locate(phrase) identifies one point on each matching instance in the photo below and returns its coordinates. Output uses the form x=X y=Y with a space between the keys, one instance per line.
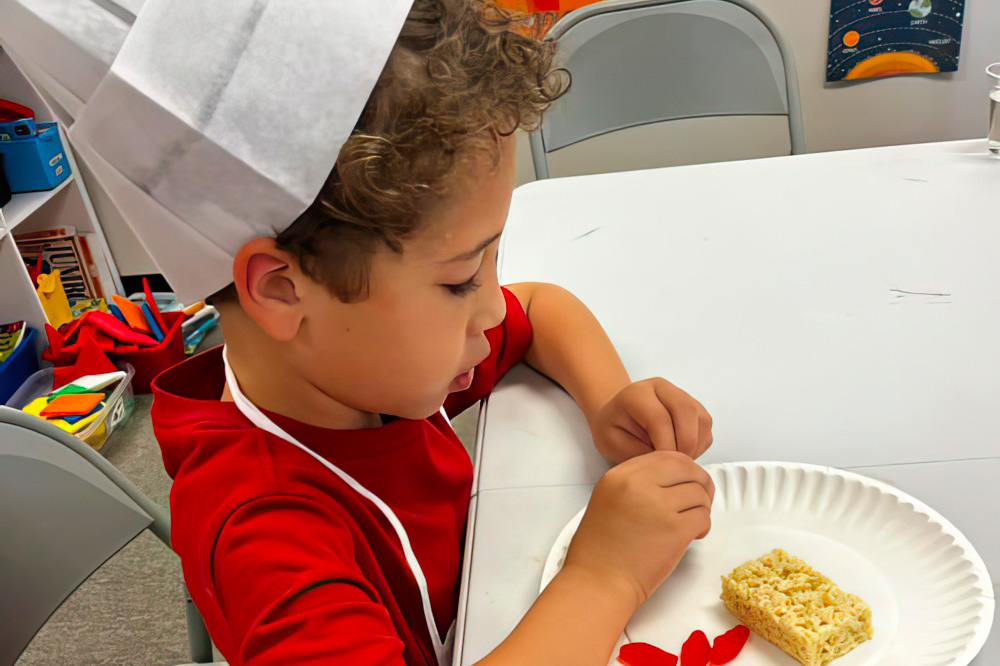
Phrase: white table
x=840 y=309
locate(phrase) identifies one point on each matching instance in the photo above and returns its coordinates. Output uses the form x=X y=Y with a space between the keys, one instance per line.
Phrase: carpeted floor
x=131 y=611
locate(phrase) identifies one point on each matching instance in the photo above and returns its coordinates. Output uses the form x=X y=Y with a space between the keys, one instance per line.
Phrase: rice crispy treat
x=787 y=602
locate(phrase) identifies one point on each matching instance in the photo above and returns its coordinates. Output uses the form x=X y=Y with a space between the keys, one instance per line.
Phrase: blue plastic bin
x=37 y=162
x=18 y=367
x=15 y=130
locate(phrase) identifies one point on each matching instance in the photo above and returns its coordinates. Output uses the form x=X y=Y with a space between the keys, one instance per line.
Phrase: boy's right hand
x=641 y=518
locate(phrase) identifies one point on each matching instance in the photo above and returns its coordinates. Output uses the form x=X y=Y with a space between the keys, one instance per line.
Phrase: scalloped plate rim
x=557 y=553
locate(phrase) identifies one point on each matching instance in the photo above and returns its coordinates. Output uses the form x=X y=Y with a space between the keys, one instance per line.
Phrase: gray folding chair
x=64 y=510
x=636 y=62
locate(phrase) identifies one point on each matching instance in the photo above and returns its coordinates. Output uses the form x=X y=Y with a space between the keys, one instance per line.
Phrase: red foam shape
x=113 y=327
x=696 y=650
x=644 y=654
x=103 y=340
x=74 y=326
x=85 y=333
x=152 y=306
x=56 y=341
x=90 y=361
x=727 y=646
x=35 y=271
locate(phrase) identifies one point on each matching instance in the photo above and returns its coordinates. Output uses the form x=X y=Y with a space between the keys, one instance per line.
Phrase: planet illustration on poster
x=920 y=8
x=879 y=38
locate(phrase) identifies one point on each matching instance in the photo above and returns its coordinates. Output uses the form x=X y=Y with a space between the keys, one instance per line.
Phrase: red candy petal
x=696 y=650
x=644 y=654
x=728 y=645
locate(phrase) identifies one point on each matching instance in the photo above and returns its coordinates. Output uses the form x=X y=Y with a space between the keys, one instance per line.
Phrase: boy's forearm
x=576 y=621
x=569 y=346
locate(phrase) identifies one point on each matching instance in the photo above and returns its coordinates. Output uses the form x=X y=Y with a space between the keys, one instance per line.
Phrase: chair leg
x=538 y=156
x=199 y=642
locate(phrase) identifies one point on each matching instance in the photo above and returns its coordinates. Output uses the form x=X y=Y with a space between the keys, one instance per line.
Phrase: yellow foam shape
x=787 y=602
x=36 y=406
x=53 y=299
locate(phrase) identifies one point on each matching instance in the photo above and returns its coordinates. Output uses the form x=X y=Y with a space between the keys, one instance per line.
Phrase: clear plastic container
x=117 y=407
x=994 y=132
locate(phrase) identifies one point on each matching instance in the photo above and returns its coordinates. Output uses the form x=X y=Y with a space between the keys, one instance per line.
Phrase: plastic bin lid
x=11 y=111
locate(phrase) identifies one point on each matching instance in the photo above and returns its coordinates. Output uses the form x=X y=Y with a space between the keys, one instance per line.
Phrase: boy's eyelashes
x=470 y=285
x=463 y=288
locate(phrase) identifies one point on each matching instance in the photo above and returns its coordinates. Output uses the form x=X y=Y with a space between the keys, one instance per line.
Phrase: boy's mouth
x=462 y=381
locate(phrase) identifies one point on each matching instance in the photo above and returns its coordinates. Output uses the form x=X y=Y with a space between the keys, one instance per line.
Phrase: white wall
x=909 y=109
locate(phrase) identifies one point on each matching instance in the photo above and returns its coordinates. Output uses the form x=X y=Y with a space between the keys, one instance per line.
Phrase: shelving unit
x=22 y=206
x=66 y=205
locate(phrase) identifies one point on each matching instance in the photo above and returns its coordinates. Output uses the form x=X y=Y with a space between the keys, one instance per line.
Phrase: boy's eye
x=464 y=288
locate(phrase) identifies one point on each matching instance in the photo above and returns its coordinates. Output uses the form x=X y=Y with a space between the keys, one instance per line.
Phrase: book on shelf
x=11 y=335
x=64 y=249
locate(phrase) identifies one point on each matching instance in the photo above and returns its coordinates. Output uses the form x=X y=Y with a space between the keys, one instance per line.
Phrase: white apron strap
x=442 y=650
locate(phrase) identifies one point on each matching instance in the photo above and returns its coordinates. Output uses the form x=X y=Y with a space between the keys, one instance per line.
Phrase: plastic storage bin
x=147 y=361
x=16 y=121
x=18 y=367
x=36 y=162
x=117 y=407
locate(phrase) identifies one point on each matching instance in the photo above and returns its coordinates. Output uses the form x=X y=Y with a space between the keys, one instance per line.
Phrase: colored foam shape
x=151 y=320
x=153 y=307
x=95 y=382
x=104 y=341
x=192 y=309
x=73 y=428
x=118 y=331
x=76 y=404
x=56 y=341
x=90 y=361
x=117 y=313
x=133 y=314
x=73 y=420
x=35 y=407
x=74 y=327
x=35 y=271
x=100 y=338
x=69 y=389
x=53 y=299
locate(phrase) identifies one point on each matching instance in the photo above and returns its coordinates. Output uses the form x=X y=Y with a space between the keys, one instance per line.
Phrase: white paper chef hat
x=219 y=122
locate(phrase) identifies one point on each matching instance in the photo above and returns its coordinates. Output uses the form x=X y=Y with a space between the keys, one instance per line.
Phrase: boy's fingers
x=687 y=496
x=698 y=521
x=624 y=444
x=653 y=417
x=704 y=439
x=671 y=468
x=683 y=414
x=704 y=430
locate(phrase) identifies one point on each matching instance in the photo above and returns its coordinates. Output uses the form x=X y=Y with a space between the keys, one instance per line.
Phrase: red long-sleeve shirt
x=286 y=563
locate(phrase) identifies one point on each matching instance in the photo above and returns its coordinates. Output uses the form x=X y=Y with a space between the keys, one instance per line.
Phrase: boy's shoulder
x=207 y=442
x=220 y=462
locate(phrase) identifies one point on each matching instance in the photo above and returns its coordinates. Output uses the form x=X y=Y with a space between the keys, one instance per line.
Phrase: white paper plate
x=929 y=591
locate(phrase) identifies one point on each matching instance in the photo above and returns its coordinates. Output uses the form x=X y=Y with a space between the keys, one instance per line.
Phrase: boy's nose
x=493 y=308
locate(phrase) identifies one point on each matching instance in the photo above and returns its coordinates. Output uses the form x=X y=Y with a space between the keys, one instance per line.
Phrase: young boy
x=320 y=496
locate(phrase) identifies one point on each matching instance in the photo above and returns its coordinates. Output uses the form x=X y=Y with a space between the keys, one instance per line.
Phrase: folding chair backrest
x=635 y=62
x=60 y=519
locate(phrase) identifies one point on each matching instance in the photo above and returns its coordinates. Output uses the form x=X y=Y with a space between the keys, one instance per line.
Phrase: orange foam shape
x=75 y=404
x=133 y=314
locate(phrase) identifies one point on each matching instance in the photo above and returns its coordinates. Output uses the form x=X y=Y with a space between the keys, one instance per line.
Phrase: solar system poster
x=876 y=38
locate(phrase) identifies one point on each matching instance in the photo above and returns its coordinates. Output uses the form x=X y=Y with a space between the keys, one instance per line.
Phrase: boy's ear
x=266 y=280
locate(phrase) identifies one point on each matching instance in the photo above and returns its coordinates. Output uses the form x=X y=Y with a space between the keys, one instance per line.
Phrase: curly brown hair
x=462 y=75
